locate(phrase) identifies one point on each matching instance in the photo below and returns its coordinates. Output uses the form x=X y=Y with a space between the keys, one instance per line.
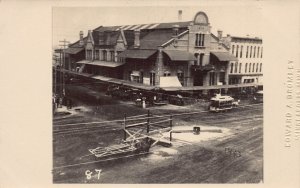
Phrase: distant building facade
x=249 y=51
x=179 y=54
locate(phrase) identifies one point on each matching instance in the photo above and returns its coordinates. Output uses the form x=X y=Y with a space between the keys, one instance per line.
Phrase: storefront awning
x=83 y=61
x=224 y=56
x=73 y=50
x=102 y=63
x=176 y=55
x=106 y=64
x=169 y=81
x=137 y=54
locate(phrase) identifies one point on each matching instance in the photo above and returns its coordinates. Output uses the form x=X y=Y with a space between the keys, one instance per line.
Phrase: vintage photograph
x=157 y=95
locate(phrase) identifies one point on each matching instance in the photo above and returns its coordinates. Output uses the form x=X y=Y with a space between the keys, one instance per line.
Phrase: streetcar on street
x=222 y=103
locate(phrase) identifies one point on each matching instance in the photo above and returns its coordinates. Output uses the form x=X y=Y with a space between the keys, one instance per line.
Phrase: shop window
x=246 y=67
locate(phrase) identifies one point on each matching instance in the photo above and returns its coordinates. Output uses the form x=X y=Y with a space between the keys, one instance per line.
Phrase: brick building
x=178 y=54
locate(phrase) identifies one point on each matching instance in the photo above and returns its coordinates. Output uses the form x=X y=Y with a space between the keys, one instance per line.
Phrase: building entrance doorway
x=198 y=78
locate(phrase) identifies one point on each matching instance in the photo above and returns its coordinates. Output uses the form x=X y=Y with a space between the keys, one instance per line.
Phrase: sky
x=237 y=20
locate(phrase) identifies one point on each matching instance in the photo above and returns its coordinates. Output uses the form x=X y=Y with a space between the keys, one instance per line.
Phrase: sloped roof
x=177 y=55
x=137 y=54
x=224 y=56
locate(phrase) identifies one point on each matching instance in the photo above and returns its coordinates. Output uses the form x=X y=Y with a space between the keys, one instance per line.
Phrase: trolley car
x=222 y=103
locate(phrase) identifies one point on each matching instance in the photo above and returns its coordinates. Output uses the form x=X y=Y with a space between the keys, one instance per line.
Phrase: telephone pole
x=64 y=45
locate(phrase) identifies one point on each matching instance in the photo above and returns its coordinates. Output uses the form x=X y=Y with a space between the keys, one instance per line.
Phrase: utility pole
x=63 y=65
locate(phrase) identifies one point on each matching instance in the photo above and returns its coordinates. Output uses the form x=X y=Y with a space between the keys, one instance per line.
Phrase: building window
x=231 y=68
x=260 y=68
x=232 y=49
x=256 y=67
x=180 y=76
x=237 y=51
x=112 y=56
x=249 y=67
x=89 y=54
x=167 y=73
x=199 y=40
x=246 y=67
x=152 y=78
x=254 y=51
x=247 y=51
x=240 y=68
x=241 y=54
x=261 y=53
x=253 y=67
x=104 y=55
x=258 y=51
x=250 y=51
x=97 y=54
x=236 y=67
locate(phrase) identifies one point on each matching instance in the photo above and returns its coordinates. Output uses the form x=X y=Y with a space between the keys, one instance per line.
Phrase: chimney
x=81 y=43
x=179 y=15
x=137 y=38
x=220 y=34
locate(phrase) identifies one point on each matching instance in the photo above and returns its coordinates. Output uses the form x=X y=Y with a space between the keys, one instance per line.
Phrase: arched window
x=246 y=67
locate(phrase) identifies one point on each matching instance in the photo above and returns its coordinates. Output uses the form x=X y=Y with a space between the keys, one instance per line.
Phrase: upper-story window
x=232 y=49
x=97 y=54
x=253 y=67
x=260 y=68
x=247 y=51
x=250 y=51
x=261 y=53
x=254 y=51
x=256 y=67
x=241 y=53
x=236 y=67
x=237 y=51
x=199 y=39
x=112 y=56
x=89 y=55
x=104 y=55
x=258 y=51
x=231 y=67
x=246 y=67
x=240 y=68
x=249 y=67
